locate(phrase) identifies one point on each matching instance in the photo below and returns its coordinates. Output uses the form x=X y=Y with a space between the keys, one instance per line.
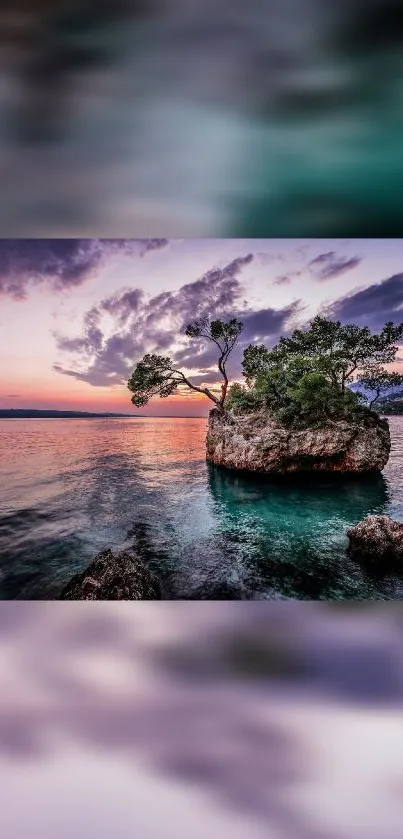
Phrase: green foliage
x=256 y=360
x=341 y=350
x=156 y=375
x=216 y=330
x=314 y=401
x=303 y=381
x=152 y=376
x=336 y=350
x=240 y=400
x=299 y=394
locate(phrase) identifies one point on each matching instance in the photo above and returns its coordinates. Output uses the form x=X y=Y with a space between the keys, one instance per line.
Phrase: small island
x=296 y=411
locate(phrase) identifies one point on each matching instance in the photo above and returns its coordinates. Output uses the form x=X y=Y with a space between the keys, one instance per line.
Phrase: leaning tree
x=157 y=375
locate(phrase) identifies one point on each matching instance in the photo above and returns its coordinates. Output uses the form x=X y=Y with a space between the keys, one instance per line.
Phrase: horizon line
x=111 y=414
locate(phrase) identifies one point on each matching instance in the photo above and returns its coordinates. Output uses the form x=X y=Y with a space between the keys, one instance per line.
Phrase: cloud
x=148 y=245
x=264 y=326
x=284 y=279
x=372 y=306
x=61 y=263
x=138 y=325
x=326 y=266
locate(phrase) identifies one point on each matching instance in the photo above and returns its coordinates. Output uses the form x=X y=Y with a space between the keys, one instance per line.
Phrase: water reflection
x=292 y=533
x=309 y=499
x=206 y=533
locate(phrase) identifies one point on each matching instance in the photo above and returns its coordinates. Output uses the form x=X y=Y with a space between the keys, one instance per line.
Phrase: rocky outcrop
x=111 y=576
x=377 y=541
x=257 y=443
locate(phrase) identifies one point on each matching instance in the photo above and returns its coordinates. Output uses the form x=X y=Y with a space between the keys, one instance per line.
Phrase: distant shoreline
x=27 y=413
x=21 y=413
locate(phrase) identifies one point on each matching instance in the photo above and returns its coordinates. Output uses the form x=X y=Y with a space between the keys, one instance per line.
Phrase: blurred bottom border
x=222 y=719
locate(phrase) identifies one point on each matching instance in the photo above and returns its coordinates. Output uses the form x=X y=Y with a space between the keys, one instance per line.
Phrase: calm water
x=69 y=488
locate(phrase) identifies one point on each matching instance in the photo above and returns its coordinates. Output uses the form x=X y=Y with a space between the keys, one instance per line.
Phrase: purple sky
x=76 y=315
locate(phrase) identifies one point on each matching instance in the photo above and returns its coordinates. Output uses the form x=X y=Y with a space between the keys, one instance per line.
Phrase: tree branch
x=192 y=386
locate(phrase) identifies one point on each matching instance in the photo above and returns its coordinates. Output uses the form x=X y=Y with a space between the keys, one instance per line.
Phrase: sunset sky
x=76 y=315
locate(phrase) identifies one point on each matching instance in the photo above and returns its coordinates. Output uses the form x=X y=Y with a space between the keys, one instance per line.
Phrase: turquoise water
x=72 y=487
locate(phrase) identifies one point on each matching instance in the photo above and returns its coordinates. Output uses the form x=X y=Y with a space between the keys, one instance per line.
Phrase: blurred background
x=191 y=117
x=201 y=719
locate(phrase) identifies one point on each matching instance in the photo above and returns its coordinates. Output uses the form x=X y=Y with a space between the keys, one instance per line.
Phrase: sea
x=70 y=488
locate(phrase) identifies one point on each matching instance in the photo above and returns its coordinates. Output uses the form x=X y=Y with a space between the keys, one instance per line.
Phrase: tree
x=241 y=400
x=337 y=350
x=224 y=335
x=304 y=379
x=256 y=360
x=380 y=382
x=157 y=375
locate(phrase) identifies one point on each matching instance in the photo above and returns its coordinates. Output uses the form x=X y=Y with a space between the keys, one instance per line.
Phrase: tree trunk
x=224 y=388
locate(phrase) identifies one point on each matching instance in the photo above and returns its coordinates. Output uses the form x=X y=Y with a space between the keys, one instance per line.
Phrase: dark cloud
x=323 y=267
x=372 y=306
x=264 y=326
x=120 y=305
x=151 y=325
x=97 y=378
x=283 y=279
x=148 y=245
x=60 y=263
x=326 y=266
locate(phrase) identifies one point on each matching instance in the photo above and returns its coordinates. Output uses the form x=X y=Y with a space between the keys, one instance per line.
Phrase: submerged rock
x=113 y=577
x=378 y=541
x=257 y=443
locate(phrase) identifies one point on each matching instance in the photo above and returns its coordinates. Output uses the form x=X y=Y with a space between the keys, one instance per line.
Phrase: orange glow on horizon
x=83 y=397
x=74 y=395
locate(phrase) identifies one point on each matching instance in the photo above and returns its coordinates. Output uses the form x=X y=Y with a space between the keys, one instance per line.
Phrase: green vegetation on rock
x=304 y=380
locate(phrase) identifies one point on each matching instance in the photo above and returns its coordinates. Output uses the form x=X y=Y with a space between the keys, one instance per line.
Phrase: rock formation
x=377 y=541
x=111 y=576
x=257 y=443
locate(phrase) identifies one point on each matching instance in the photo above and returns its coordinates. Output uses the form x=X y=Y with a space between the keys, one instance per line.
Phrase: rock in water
x=113 y=577
x=378 y=541
x=257 y=443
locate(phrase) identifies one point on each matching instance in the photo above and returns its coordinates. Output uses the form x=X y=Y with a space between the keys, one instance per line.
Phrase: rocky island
x=307 y=405
x=257 y=443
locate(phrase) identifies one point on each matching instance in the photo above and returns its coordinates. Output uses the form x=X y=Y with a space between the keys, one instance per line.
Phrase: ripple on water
x=75 y=487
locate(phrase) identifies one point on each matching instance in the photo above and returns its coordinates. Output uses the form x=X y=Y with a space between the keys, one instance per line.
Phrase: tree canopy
x=338 y=350
x=302 y=381
x=158 y=375
x=305 y=378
